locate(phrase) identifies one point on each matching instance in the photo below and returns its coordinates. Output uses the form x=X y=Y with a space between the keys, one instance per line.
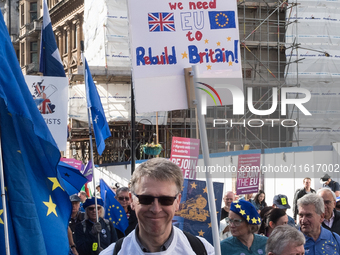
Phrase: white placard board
x=51 y=97
x=166 y=37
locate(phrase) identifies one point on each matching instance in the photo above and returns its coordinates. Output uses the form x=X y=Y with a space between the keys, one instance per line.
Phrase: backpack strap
x=118 y=246
x=196 y=244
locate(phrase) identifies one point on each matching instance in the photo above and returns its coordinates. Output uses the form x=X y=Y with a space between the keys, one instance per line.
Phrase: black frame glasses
x=123 y=198
x=92 y=208
x=163 y=200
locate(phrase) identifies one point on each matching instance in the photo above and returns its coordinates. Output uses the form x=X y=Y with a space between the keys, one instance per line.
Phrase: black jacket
x=336 y=223
x=84 y=240
x=298 y=194
x=132 y=224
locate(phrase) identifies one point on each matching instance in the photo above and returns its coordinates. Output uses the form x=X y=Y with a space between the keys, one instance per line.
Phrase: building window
x=34 y=52
x=66 y=42
x=22 y=15
x=33 y=11
x=75 y=37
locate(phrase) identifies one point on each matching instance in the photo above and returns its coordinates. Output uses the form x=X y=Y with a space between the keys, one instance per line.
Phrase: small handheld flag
x=113 y=210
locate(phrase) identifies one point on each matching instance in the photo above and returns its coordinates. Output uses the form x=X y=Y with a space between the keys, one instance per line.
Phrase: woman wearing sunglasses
x=122 y=196
x=244 y=222
x=87 y=232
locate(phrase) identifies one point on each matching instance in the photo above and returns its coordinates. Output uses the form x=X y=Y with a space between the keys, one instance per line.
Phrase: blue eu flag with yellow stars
x=37 y=206
x=193 y=215
x=113 y=210
x=222 y=19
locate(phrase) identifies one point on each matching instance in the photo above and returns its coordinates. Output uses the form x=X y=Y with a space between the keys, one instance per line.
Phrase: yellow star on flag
x=51 y=207
x=218 y=43
x=259 y=219
x=230 y=63
x=19 y=151
x=1 y=211
x=254 y=220
x=206 y=41
x=205 y=190
x=242 y=212
x=184 y=55
x=248 y=218
x=193 y=185
x=201 y=233
x=229 y=38
x=238 y=206
x=208 y=67
x=209 y=225
x=55 y=183
x=117 y=207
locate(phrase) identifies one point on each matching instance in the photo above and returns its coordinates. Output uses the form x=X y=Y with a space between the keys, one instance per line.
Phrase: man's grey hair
x=101 y=214
x=159 y=169
x=281 y=237
x=313 y=199
x=326 y=190
x=122 y=189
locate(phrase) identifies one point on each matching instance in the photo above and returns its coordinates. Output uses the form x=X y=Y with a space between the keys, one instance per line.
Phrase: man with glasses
x=332 y=216
x=318 y=239
x=156 y=187
x=122 y=196
x=91 y=237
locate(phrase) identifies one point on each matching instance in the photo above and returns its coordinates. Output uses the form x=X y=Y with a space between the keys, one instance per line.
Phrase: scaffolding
x=262 y=26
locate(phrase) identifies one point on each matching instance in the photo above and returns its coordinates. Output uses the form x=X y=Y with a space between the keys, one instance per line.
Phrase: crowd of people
x=247 y=226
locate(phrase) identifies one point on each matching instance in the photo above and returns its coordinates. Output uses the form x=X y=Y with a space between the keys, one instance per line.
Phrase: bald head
x=228 y=198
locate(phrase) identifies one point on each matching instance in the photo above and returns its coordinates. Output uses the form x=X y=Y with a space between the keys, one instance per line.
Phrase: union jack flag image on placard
x=41 y=96
x=161 y=22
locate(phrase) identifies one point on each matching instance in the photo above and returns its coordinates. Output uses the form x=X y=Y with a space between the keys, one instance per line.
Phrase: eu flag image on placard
x=222 y=19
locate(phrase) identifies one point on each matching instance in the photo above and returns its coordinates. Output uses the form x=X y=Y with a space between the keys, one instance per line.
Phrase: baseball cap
x=281 y=201
x=324 y=178
x=75 y=198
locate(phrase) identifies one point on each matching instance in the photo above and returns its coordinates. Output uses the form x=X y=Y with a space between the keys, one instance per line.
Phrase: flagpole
x=206 y=158
x=3 y=199
x=90 y=136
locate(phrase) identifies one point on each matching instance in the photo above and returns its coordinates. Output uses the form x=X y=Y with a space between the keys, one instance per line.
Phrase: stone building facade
x=67 y=19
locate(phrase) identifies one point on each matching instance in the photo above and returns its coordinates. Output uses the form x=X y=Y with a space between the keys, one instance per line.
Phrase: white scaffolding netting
x=313 y=38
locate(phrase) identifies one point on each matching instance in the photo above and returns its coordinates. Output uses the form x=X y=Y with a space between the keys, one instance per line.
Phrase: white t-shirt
x=179 y=245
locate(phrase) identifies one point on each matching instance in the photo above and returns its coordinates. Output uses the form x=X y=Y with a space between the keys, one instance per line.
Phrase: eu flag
x=222 y=19
x=113 y=210
x=72 y=178
x=100 y=126
x=38 y=208
x=50 y=61
x=193 y=215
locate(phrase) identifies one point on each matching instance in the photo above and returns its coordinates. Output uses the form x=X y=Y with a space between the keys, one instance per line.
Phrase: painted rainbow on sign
x=209 y=93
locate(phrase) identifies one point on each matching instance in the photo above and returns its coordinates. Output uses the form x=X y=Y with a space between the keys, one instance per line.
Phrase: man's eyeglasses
x=148 y=200
x=124 y=198
x=328 y=202
x=235 y=222
x=92 y=208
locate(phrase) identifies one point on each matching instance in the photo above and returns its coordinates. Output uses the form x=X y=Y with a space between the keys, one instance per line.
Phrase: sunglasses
x=124 y=198
x=92 y=208
x=163 y=200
